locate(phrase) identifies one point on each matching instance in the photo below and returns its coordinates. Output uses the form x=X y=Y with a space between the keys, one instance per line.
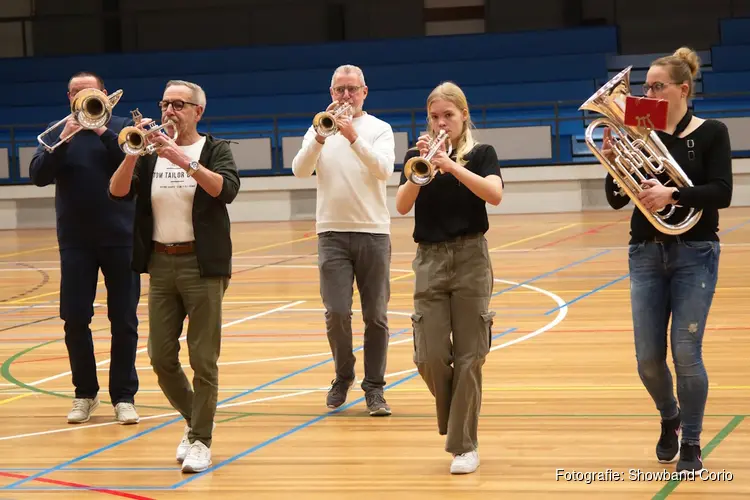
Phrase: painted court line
x=14 y=485
x=412 y=373
x=144 y=349
x=562 y=312
x=119 y=442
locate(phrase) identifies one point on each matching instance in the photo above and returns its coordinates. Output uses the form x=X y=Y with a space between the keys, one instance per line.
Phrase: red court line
x=121 y=494
x=590 y=231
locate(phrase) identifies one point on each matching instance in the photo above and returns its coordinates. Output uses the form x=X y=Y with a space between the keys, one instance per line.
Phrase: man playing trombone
x=183 y=241
x=353 y=154
x=93 y=233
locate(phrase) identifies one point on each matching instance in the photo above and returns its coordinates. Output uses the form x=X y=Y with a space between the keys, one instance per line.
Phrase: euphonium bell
x=419 y=169
x=134 y=141
x=324 y=122
x=91 y=108
x=638 y=154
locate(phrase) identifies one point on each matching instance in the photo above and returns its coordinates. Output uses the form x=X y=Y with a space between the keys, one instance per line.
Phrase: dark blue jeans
x=676 y=279
x=79 y=269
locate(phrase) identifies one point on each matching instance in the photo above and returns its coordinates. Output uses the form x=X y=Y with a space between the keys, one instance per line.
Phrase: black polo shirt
x=446 y=209
x=705 y=155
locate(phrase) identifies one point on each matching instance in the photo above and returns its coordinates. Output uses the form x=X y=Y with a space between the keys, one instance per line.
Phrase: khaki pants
x=454 y=284
x=176 y=290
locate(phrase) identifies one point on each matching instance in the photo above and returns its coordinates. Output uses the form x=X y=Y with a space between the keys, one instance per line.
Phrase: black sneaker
x=668 y=447
x=376 y=404
x=690 y=459
x=338 y=392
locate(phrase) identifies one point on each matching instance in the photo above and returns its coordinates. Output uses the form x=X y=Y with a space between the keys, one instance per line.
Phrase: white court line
x=287 y=358
x=144 y=349
x=561 y=313
x=143 y=303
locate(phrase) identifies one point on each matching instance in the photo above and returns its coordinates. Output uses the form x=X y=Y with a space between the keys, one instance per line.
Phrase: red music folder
x=646 y=112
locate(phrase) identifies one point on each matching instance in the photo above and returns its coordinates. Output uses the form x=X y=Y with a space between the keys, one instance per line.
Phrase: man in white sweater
x=353 y=226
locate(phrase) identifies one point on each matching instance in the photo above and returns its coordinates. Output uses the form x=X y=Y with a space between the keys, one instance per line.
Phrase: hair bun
x=691 y=59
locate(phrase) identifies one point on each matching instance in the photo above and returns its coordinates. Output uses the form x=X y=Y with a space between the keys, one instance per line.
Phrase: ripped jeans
x=677 y=279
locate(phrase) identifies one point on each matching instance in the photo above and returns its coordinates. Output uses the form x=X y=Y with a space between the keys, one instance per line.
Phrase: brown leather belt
x=175 y=248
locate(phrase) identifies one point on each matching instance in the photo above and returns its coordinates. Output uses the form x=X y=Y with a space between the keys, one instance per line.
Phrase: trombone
x=419 y=169
x=324 y=122
x=133 y=141
x=91 y=108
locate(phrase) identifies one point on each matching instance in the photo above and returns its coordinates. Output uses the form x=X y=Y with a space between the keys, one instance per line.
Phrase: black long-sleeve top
x=80 y=170
x=705 y=156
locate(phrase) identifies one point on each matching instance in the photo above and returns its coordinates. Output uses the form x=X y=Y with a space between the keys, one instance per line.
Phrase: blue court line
x=620 y=278
x=58 y=467
x=300 y=427
x=591 y=292
x=114 y=444
x=549 y=273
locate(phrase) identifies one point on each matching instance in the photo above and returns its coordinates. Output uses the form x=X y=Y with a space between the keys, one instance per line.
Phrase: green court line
x=711 y=446
x=7 y=375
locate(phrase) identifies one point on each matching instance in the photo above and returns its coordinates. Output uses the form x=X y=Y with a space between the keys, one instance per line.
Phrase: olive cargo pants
x=454 y=282
x=176 y=290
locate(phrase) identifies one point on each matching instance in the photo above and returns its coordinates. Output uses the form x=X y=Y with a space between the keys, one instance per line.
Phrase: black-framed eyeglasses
x=177 y=104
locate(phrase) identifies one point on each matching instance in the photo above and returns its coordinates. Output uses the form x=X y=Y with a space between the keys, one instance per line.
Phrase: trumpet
x=419 y=169
x=133 y=141
x=91 y=108
x=636 y=149
x=324 y=122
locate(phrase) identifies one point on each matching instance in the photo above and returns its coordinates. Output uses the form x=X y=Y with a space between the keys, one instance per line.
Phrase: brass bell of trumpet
x=419 y=169
x=91 y=108
x=638 y=154
x=134 y=141
x=324 y=122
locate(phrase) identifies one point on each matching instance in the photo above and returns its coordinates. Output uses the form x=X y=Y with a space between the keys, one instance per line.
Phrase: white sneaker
x=466 y=463
x=125 y=414
x=198 y=458
x=184 y=446
x=82 y=410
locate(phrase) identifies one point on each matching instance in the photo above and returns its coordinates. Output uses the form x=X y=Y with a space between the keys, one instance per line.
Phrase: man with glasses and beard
x=182 y=240
x=353 y=227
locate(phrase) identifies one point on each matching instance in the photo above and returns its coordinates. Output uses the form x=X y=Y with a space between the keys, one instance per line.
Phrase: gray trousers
x=176 y=290
x=366 y=257
x=454 y=284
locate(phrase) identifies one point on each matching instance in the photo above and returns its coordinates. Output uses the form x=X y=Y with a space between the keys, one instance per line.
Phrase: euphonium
x=133 y=141
x=91 y=108
x=638 y=154
x=325 y=121
x=419 y=169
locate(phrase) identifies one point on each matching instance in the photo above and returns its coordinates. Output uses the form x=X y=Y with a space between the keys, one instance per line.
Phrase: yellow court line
x=15 y=398
x=274 y=245
x=2 y=256
x=57 y=292
x=524 y=240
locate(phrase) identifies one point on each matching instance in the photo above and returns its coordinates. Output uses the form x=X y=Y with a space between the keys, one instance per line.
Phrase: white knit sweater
x=351 y=177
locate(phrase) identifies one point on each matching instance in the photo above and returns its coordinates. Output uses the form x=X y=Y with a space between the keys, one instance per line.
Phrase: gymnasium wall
x=104 y=26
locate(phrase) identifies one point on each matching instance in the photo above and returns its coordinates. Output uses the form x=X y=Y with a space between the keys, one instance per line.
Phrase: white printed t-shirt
x=172 y=193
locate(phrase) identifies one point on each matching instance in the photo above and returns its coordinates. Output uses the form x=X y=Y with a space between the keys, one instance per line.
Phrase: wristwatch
x=192 y=168
x=676 y=195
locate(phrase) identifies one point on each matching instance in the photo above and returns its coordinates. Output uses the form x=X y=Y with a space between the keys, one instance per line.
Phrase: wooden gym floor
x=561 y=388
